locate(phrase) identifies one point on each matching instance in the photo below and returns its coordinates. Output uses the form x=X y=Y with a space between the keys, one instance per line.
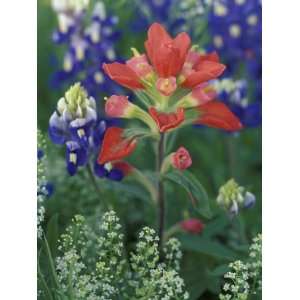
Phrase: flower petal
x=182 y=41
x=216 y=114
x=123 y=75
x=114 y=146
x=207 y=70
x=157 y=35
x=167 y=121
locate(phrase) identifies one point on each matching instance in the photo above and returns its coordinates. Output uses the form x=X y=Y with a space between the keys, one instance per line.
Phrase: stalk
x=94 y=183
x=160 y=200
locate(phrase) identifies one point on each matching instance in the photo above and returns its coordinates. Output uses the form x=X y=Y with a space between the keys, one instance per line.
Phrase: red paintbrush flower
x=181 y=159
x=216 y=114
x=167 y=121
x=206 y=68
x=115 y=146
x=123 y=75
x=194 y=226
x=167 y=55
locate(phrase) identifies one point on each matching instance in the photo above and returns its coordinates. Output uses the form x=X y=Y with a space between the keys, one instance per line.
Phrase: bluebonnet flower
x=88 y=46
x=162 y=11
x=235 y=94
x=236 y=27
x=76 y=125
x=232 y=197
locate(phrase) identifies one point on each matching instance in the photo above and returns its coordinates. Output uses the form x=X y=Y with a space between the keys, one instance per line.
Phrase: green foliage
x=195 y=191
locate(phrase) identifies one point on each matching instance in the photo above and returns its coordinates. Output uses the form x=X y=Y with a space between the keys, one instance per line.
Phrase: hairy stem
x=160 y=200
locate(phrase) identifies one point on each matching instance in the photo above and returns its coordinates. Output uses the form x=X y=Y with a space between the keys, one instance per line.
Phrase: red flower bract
x=181 y=159
x=194 y=226
x=167 y=121
x=124 y=166
x=115 y=146
x=207 y=68
x=167 y=55
x=116 y=106
x=123 y=75
x=216 y=114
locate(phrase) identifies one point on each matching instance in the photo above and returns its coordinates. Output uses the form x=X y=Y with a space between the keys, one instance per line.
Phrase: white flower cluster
x=41 y=183
x=173 y=254
x=110 y=276
x=154 y=280
x=244 y=279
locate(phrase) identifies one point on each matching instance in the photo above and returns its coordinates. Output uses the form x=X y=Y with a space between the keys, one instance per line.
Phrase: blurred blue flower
x=235 y=95
x=76 y=125
x=236 y=27
x=87 y=47
x=173 y=14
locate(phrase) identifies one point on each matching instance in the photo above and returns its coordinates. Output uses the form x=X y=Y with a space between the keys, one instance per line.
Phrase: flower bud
x=249 y=200
x=194 y=226
x=181 y=159
x=166 y=86
x=118 y=107
x=76 y=104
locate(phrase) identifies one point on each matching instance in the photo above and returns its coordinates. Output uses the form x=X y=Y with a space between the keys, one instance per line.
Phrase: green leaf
x=215 y=226
x=194 y=189
x=219 y=271
x=208 y=247
x=52 y=234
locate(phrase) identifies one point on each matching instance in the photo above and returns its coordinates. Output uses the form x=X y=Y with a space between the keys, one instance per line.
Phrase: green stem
x=44 y=283
x=52 y=267
x=231 y=155
x=94 y=183
x=160 y=200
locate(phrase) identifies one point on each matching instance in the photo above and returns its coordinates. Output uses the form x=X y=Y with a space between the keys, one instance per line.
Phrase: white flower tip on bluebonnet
x=220 y=9
x=234 y=209
x=65 y=22
x=61 y=105
x=94 y=32
x=250 y=200
x=252 y=20
x=240 y=2
x=235 y=30
x=79 y=45
x=57 y=121
x=99 y=10
x=77 y=104
x=69 y=6
x=68 y=62
x=111 y=55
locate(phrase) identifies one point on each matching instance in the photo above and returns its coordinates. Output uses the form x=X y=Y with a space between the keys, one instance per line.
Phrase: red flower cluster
x=174 y=65
x=193 y=226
